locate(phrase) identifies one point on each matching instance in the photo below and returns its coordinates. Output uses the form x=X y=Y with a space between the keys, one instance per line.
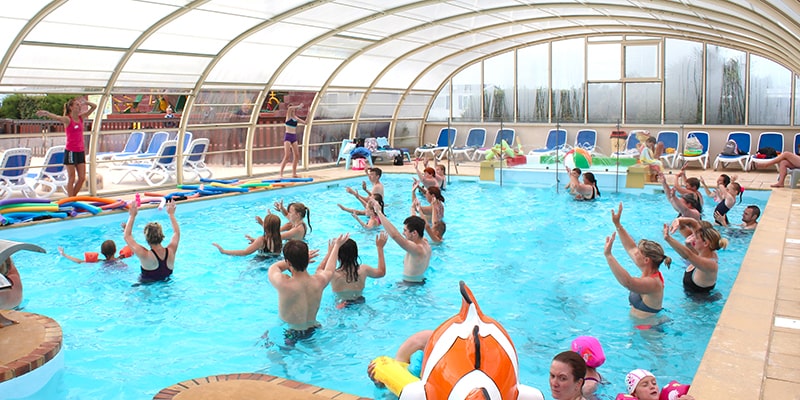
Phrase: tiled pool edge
x=734 y=365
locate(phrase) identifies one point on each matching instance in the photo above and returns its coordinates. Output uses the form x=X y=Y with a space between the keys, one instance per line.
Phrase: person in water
x=587 y=190
x=701 y=274
x=350 y=277
x=299 y=293
x=567 y=374
x=108 y=249
x=412 y=240
x=269 y=244
x=158 y=262
x=646 y=291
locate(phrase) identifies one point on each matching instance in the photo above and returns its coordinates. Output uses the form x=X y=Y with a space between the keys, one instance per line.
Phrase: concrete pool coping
x=753 y=352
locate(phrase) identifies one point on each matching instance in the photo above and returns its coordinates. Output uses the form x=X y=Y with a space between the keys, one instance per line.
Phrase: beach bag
x=398 y=159
x=731 y=148
x=359 y=163
x=371 y=144
x=693 y=146
x=767 y=152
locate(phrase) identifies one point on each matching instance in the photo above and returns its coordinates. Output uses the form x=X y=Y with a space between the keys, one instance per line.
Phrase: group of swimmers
x=300 y=292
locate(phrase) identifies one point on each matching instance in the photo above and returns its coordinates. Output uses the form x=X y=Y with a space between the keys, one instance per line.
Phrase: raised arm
x=708 y=191
x=91 y=109
x=69 y=257
x=328 y=265
x=176 y=229
x=138 y=249
x=256 y=244
x=275 y=273
x=281 y=209
x=380 y=272
x=627 y=240
x=635 y=284
x=360 y=198
x=47 y=114
x=670 y=193
x=703 y=263
x=390 y=229
x=363 y=225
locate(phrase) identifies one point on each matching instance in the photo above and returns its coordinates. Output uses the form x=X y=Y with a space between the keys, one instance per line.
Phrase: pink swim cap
x=589 y=348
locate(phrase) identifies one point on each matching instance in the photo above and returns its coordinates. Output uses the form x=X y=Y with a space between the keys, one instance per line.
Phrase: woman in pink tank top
x=75 y=153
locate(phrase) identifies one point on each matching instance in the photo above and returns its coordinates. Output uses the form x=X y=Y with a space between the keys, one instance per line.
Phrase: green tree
x=23 y=106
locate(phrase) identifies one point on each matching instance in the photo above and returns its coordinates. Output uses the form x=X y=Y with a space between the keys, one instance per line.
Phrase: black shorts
x=74 y=157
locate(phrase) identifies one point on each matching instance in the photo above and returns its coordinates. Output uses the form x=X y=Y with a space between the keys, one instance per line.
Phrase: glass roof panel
x=87 y=22
x=306 y=73
x=402 y=74
x=53 y=61
x=9 y=28
x=183 y=35
x=49 y=78
x=433 y=33
x=434 y=53
x=330 y=15
x=291 y=35
x=378 y=27
x=237 y=65
x=434 y=11
x=477 y=22
x=164 y=69
x=337 y=47
x=394 y=48
x=433 y=78
x=361 y=71
x=261 y=9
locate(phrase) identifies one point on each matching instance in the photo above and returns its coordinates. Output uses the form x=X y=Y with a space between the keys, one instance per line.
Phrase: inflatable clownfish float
x=469 y=356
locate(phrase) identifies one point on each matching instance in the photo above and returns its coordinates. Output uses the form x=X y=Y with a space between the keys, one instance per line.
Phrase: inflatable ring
x=392 y=373
x=469 y=353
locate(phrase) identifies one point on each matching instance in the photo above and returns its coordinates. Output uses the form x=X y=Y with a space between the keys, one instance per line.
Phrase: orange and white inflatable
x=469 y=356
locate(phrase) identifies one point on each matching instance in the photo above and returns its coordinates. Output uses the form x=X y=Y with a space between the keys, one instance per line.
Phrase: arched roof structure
x=100 y=46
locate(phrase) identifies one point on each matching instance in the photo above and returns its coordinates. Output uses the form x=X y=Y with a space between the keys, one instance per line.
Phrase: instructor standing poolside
x=75 y=151
x=290 y=146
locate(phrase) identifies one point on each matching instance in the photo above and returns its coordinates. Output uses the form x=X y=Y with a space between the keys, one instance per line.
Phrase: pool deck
x=753 y=352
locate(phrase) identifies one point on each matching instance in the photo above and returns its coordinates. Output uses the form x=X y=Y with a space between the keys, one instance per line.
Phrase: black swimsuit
x=690 y=286
x=722 y=209
x=159 y=274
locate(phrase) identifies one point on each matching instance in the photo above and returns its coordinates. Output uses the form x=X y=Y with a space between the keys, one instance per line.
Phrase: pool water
x=532 y=257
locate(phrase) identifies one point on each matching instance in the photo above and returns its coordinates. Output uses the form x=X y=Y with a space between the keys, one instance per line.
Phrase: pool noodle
x=289 y=180
x=38 y=207
x=18 y=205
x=7 y=202
x=209 y=180
x=83 y=206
